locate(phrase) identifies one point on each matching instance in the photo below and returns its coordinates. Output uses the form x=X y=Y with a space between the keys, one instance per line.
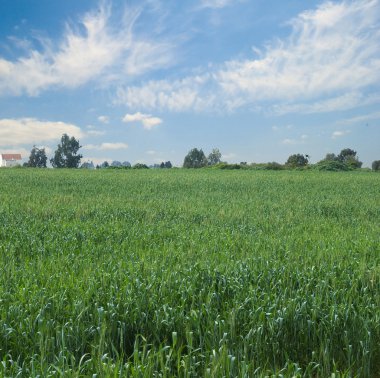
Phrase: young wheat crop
x=189 y=273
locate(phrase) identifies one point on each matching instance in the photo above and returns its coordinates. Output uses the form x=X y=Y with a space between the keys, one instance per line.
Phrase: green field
x=189 y=273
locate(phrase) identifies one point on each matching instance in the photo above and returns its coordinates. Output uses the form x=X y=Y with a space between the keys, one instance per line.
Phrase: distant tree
x=332 y=165
x=140 y=166
x=297 y=160
x=274 y=166
x=88 y=165
x=105 y=164
x=116 y=163
x=126 y=164
x=376 y=165
x=195 y=159
x=348 y=156
x=166 y=164
x=37 y=158
x=214 y=157
x=66 y=155
x=330 y=157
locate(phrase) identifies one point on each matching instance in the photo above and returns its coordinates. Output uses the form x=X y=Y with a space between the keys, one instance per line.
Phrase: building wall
x=12 y=163
x=9 y=163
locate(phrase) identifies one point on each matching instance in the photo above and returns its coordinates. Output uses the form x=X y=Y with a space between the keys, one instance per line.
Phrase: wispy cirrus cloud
x=332 y=52
x=100 y=47
x=28 y=131
x=147 y=120
x=188 y=94
x=360 y=118
x=217 y=3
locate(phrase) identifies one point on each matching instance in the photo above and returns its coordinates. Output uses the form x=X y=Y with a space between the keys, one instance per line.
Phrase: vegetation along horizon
x=189 y=273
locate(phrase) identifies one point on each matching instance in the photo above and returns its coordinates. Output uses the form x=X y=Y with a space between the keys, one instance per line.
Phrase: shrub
x=140 y=166
x=274 y=166
x=376 y=165
x=332 y=165
x=227 y=166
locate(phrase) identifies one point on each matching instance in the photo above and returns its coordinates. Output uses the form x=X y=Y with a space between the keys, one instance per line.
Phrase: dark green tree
x=66 y=155
x=214 y=157
x=330 y=157
x=166 y=164
x=37 y=158
x=297 y=160
x=348 y=156
x=195 y=159
x=116 y=163
x=376 y=165
x=88 y=165
x=140 y=166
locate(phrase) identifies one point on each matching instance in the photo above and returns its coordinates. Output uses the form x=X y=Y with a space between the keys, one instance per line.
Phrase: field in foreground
x=189 y=273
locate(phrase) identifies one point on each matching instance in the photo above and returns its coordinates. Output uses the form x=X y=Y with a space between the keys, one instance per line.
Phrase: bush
x=332 y=165
x=226 y=166
x=274 y=166
x=376 y=165
x=140 y=166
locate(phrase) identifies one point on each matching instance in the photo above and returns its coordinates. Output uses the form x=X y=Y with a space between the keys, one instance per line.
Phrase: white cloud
x=337 y=103
x=181 y=95
x=147 y=56
x=106 y=146
x=22 y=131
x=332 y=52
x=151 y=152
x=147 y=120
x=103 y=119
x=93 y=131
x=339 y=133
x=96 y=48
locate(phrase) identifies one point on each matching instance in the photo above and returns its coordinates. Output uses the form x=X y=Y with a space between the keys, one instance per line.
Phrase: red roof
x=11 y=156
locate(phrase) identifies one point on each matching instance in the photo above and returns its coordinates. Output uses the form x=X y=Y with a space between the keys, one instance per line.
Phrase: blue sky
x=147 y=80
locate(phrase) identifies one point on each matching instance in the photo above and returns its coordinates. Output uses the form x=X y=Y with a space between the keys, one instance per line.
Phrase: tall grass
x=189 y=273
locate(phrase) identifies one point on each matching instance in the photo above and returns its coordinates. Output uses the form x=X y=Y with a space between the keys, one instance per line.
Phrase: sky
x=148 y=80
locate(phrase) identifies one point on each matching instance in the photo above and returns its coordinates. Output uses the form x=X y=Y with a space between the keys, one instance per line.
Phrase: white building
x=10 y=160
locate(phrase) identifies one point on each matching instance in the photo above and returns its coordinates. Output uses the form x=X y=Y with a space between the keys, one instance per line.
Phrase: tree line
x=346 y=160
x=67 y=156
